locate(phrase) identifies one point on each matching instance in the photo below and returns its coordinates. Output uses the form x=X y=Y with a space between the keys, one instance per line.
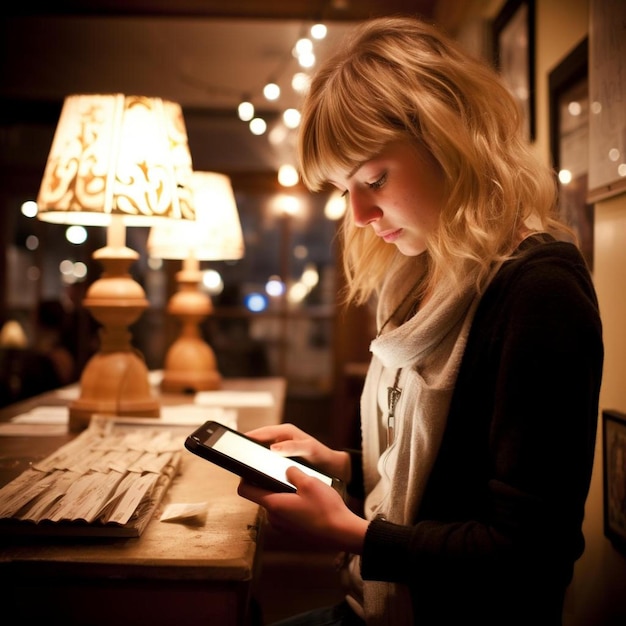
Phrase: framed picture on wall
x=607 y=93
x=614 y=473
x=569 y=143
x=514 y=55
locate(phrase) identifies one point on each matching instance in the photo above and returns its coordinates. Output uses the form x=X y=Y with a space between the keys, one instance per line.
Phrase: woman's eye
x=377 y=184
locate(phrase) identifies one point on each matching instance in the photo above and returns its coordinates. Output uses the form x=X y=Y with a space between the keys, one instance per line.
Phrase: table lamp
x=190 y=363
x=116 y=161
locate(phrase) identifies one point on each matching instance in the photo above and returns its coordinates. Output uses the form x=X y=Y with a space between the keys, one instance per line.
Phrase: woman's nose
x=364 y=210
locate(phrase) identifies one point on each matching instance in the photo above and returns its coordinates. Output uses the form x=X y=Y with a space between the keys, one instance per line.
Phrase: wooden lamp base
x=190 y=363
x=115 y=380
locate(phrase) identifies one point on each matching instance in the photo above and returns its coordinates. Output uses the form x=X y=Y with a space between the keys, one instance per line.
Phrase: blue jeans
x=338 y=615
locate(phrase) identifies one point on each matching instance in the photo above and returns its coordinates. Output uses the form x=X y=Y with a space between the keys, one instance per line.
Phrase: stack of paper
x=105 y=481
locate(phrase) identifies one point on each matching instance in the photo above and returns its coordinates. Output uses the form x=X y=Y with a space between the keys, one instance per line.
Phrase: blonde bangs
x=342 y=125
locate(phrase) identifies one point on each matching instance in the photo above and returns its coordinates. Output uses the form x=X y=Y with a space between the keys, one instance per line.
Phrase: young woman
x=480 y=405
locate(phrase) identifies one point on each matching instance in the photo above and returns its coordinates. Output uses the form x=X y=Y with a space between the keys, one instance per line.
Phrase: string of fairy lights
x=304 y=53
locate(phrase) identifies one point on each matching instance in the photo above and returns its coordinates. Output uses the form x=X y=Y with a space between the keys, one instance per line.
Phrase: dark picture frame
x=513 y=42
x=568 y=85
x=614 y=475
x=607 y=92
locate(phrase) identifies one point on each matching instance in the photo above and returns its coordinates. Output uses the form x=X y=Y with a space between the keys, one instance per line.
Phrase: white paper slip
x=184 y=415
x=176 y=511
x=192 y=414
x=234 y=398
x=9 y=429
x=44 y=415
x=42 y=421
x=68 y=393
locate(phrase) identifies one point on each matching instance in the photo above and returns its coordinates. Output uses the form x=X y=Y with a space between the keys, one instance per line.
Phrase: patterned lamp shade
x=117 y=155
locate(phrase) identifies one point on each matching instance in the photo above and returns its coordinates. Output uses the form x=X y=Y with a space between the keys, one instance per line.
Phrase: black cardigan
x=500 y=525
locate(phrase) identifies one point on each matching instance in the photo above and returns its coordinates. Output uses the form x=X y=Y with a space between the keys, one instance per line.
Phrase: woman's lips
x=391 y=235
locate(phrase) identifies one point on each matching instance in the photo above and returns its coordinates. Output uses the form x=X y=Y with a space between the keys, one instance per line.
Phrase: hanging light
x=303 y=46
x=271 y=91
x=288 y=175
x=245 y=110
x=291 y=118
x=258 y=126
x=318 y=31
x=300 y=82
x=306 y=60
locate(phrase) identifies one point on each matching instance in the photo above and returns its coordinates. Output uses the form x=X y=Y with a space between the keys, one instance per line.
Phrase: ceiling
x=204 y=54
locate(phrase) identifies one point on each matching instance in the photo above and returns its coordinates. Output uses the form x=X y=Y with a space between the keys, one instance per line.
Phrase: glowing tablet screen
x=260 y=458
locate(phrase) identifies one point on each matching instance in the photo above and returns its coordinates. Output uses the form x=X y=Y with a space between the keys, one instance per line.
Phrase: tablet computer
x=250 y=459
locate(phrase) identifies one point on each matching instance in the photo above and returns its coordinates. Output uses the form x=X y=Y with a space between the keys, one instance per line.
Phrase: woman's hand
x=315 y=512
x=288 y=440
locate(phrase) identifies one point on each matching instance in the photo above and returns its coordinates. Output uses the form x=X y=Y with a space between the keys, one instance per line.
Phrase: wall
x=598 y=593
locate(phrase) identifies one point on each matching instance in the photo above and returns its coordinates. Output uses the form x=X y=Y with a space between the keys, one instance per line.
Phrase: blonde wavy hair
x=398 y=78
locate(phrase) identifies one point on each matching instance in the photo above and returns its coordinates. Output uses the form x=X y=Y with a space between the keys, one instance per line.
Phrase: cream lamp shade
x=116 y=161
x=190 y=363
x=215 y=235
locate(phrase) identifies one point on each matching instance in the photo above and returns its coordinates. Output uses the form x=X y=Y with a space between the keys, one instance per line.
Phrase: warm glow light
x=574 y=108
x=310 y=276
x=335 y=206
x=303 y=46
x=318 y=31
x=300 y=82
x=80 y=270
x=245 y=111
x=66 y=267
x=213 y=282
x=565 y=177
x=288 y=175
x=306 y=60
x=297 y=293
x=278 y=134
x=258 y=126
x=291 y=117
x=76 y=234
x=271 y=91
x=29 y=208
x=286 y=204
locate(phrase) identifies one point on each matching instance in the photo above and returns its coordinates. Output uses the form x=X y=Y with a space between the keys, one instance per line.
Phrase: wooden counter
x=175 y=573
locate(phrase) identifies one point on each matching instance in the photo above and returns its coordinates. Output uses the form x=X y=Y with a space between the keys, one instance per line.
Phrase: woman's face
x=398 y=193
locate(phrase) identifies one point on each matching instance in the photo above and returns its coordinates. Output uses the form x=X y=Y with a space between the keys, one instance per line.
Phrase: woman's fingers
x=278 y=432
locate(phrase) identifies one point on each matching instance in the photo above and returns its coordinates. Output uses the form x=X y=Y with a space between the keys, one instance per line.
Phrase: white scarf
x=429 y=348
